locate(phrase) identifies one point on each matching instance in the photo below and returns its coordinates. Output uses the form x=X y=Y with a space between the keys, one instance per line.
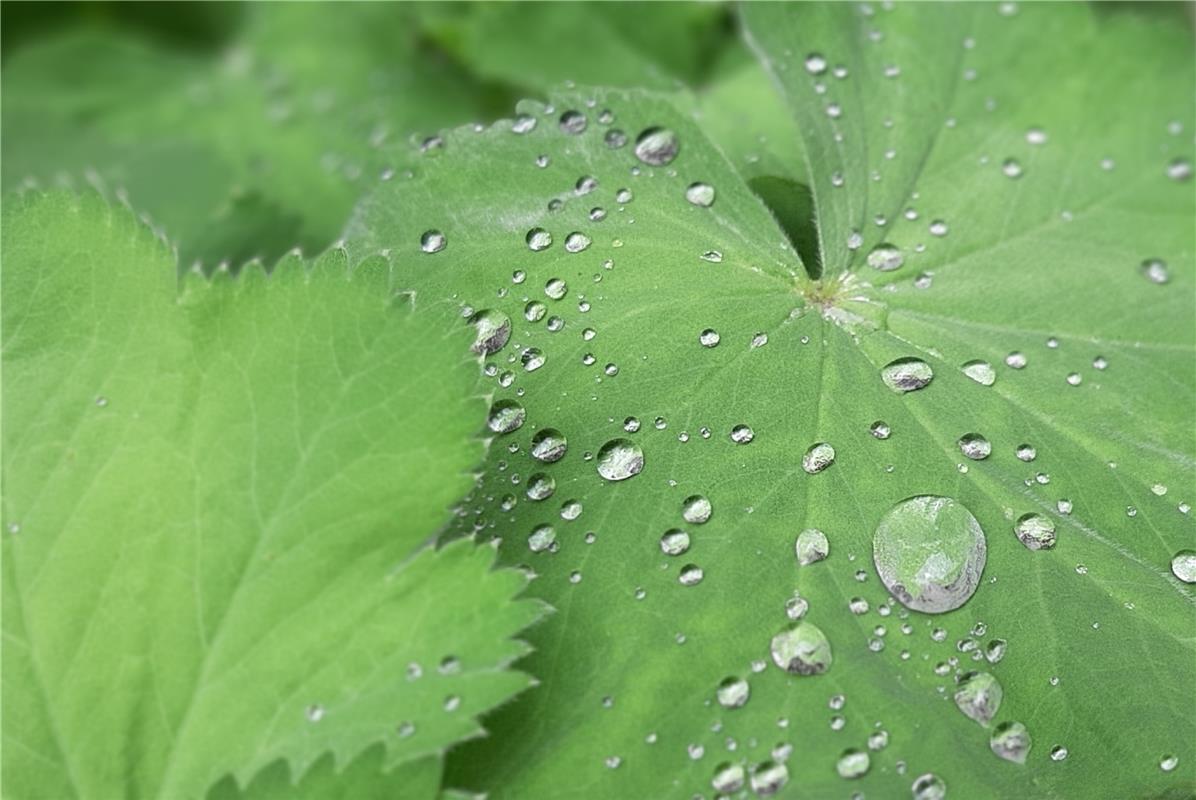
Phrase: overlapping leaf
x=1038 y=253
x=217 y=506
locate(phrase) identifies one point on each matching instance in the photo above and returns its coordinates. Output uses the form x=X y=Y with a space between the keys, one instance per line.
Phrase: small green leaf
x=217 y=506
x=690 y=339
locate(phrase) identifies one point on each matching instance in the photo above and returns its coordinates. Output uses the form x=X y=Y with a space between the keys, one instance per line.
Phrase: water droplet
x=1035 y=531
x=929 y=552
x=532 y=359
x=1011 y=168
x=1026 y=452
x=505 y=416
x=556 y=289
x=815 y=64
x=432 y=241
x=540 y=486
x=1015 y=360
x=314 y=713
x=796 y=607
x=657 y=146
x=939 y=228
x=713 y=256
x=524 y=123
x=728 y=778
x=615 y=138
x=1180 y=170
x=1183 y=566
x=975 y=446
x=853 y=764
x=538 y=239
x=929 y=787
x=979 y=696
x=549 y=445
x=691 y=575
x=906 y=374
x=801 y=649
x=811 y=546
x=492 y=330
x=733 y=692
x=742 y=434
x=674 y=542
x=1155 y=270
x=700 y=194
x=576 y=242
x=768 y=778
x=878 y=740
x=880 y=429
x=573 y=122
x=885 y=258
x=1168 y=763
x=1058 y=753
x=1011 y=741
x=980 y=371
x=542 y=538
x=696 y=509
x=1036 y=136
x=820 y=456
x=709 y=338
x=620 y=459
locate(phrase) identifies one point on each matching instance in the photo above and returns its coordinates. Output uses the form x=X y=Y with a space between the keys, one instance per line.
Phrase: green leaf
x=290 y=116
x=1098 y=633
x=217 y=506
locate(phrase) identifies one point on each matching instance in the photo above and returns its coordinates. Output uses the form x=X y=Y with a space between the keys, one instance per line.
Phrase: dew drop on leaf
x=1035 y=531
x=573 y=122
x=1155 y=270
x=540 y=486
x=975 y=446
x=928 y=787
x=978 y=696
x=657 y=146
x=538 y=239
x=505 y=416
x=549 y=445
x=728 y=778
x=556 y=289
x=815 y=64
x=696 y=509
x=880 y=429
x=768 y=778
x=1011 y=168
x=1011 y=741
x=742 y=434
x=733 y=692
x=980 y=371
x=691 y=575
x=1059 y=753
x=1180 y=170
x=811 y=546
x=853 y=764
x=1183 y=566
x=1168 y=763
x=492 y=330
x=674 y=542
x=801 y=649
x=576 y=242
x=700 y=194
x=709 y=338
x=929 y=553
x=432 y=241
x=820 y=456
x=541 y=538
x=906 y=374
x=620 y=459
x=885 y=258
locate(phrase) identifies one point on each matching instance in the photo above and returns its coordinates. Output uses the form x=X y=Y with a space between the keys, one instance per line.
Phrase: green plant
x=859 y=461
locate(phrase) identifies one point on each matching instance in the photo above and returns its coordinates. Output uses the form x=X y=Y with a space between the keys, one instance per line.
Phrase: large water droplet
x=928 y=787
x=906 y=374
x=980 y=371
x=815 y=64
x=811 y=546
x=885 y=258
x=1183 y=566
x=657 y=146
x=820 y=456
x=540 y=486
x=768 y=778
x=1011 y=741
x=576 y=242
x=1035 y=531
x=979 y=696
x=538 y=239
x=549 y=445
x=573 y=122
x=620 y=459
x=432 y=241
x=505 y=416
x=492 y=330
x=728 y=778
x=853 y=764
x=802 y=649
x=929 y=552
x=700 y=194
x=975 y=446
x=541 y=538
x=696 y=509
x=691 y=575
x=674 y=542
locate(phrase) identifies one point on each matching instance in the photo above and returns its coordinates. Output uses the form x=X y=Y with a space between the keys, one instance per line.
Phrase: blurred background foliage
x=243 y=130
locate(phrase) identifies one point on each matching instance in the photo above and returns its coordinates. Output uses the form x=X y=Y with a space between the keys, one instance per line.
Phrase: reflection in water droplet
x=691 y=575
x=979 y=696
x=505 y=416
x=742 y=434
x=1059 y=753
x=709 y=338
x=929 y=553
x=492 y=330
x=657 y=146
x=885 y=258
x=811 y=546
x=1155 y=270
x=906 y=374
x=802 y=649
x=700 y=194
x=733 y=692
x=1183 y=566
x=576 y=242
x=556 y=289
x=1011 y=741
x=853 y=764
x=432 y=241
x=817 y=458
x=620 y=459
x=880 y=429
x=1035 y=531
x=573 y=122
x=768 y=777
x=728 y=778
x=538 y=239
x=540 y=486
x=696 y=509
x=542 y=538
x=975 y=446
x=980 y=371
x=1168 y=763
x=815 y=64
x=674 y=542
x=549 y=445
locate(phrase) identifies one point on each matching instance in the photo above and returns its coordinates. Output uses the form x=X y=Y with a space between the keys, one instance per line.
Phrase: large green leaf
x=217 y=507
x=1098 y=633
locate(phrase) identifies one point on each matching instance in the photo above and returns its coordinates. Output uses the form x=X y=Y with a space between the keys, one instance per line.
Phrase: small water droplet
x=980 y=371
x=885 y=258
x=820 y=456
x=576 y=242
x=733 y=692
x=549 y=445
x=1183 y=566
x=1035 y=531
x=432 y=241
x=811 y=546
x=657 y=146
x=696 y=509
x=709 y=338
x=853 y=764
x=691 y=575
x=801 y=649
x=815 y=64
x=1155 y=270
x=538 y=239
x=1058 y=753
x=700 y=194
x=542 y=538
x=620 y=459
x=573 y=122
x=1179 y=170
x=505 y=416
x=728 y=778
x=975 y=446
x=906 y=374
x=674 y=542
x=880 y=429
x=492 y=331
